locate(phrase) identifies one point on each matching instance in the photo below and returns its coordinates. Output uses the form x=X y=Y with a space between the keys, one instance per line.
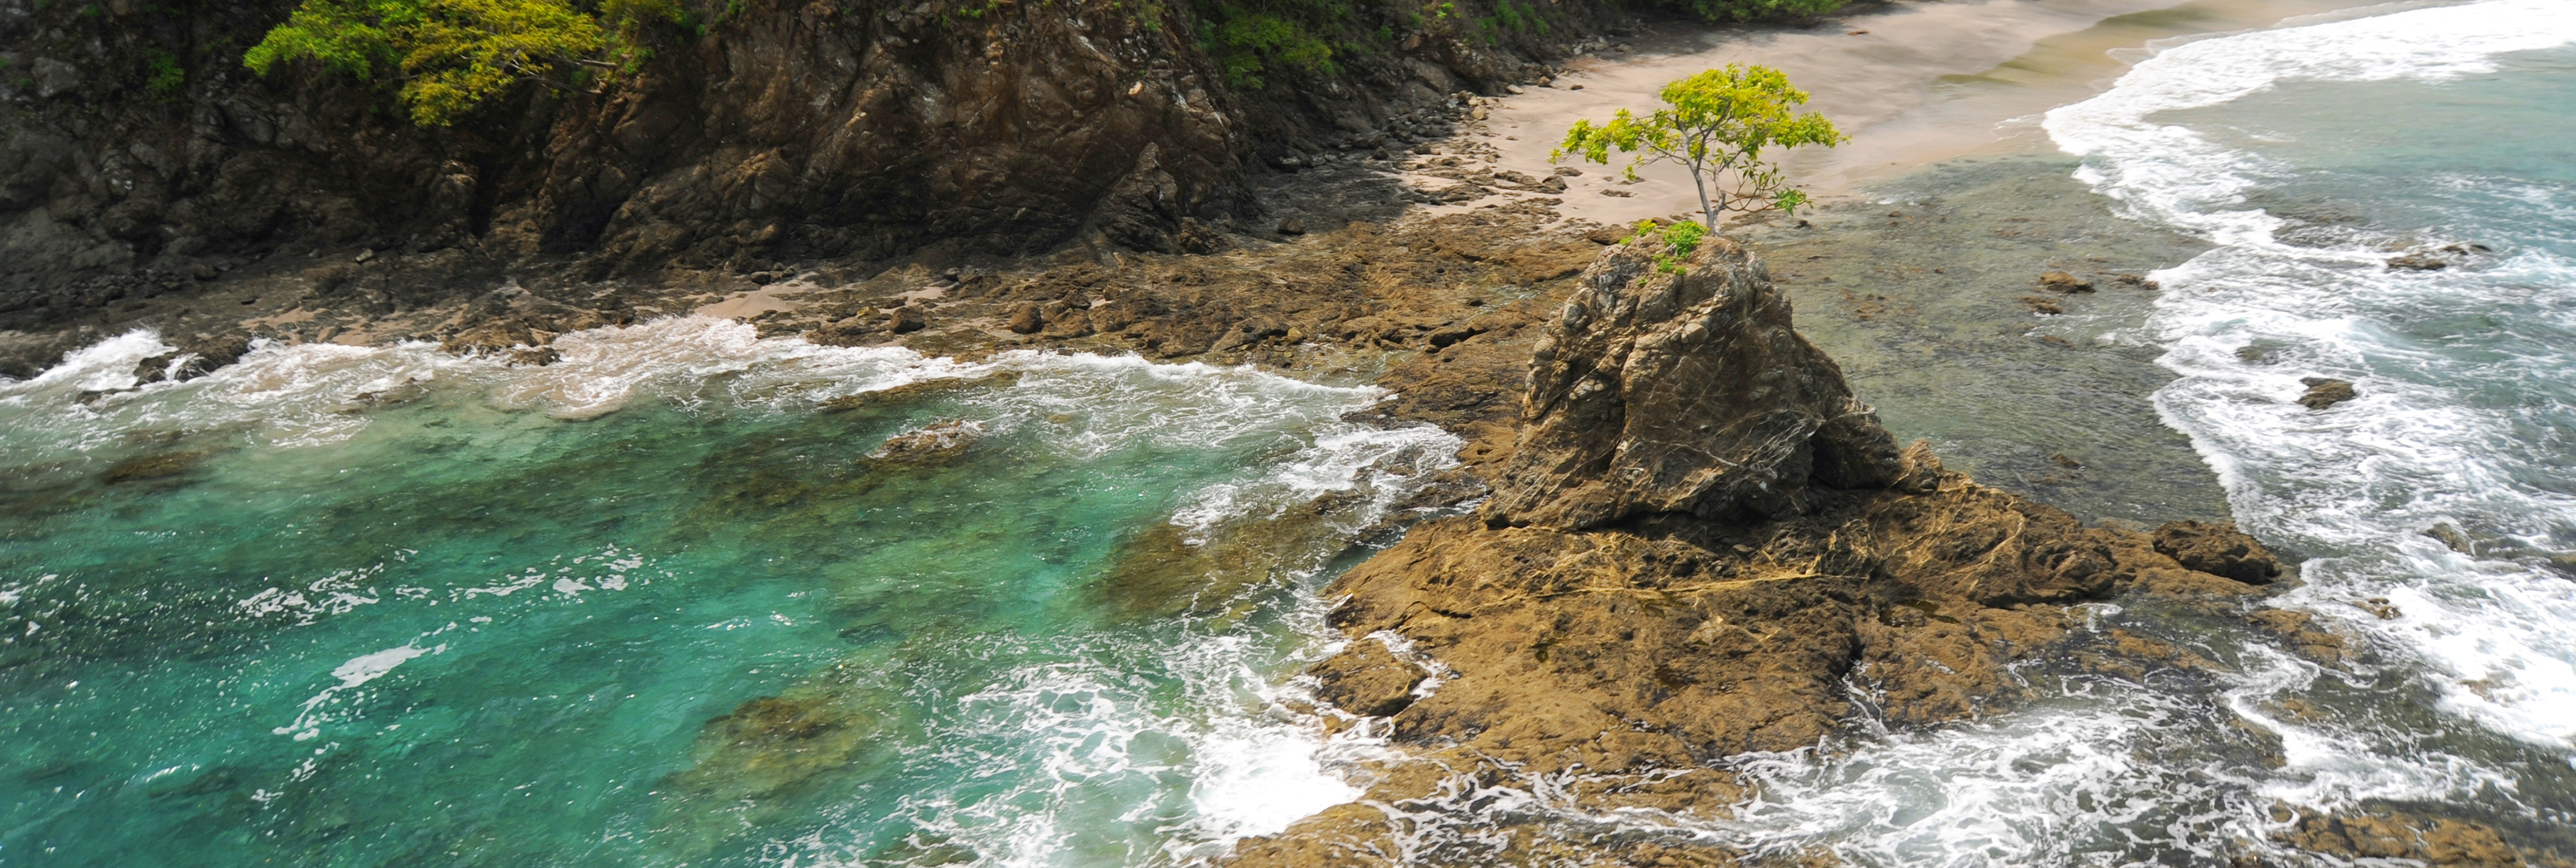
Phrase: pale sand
x=1927 y=82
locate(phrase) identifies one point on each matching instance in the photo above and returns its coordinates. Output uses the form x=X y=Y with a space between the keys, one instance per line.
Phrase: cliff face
x=140 y=156
x=1701 y=546
x=785 y=130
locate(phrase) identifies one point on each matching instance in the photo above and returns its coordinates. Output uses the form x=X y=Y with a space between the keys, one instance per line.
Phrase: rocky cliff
x=1700 y=546
x=141 y=158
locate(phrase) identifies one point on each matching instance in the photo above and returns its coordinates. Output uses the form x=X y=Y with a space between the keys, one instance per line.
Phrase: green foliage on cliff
x=1253 y=38
x=1716 y=124
x=1757 y=10
x=1250 y=43
x=162 y=76
x=448 y=56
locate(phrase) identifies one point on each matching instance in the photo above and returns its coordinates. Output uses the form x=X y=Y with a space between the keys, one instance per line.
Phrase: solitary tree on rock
x=1717 y=125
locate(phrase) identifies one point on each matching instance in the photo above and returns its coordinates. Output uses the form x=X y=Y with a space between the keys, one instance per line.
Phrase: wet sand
x=1913 y=83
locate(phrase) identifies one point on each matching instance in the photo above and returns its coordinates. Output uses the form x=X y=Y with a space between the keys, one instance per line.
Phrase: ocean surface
x=2307 y=155
x=694 y=597
x=343 y=606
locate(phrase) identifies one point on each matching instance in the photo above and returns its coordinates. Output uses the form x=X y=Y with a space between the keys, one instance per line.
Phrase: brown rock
x=2064 y=282
x=1367 y=679
x=2406 y=837
x=910 y=318
x=2323 y=392
x=2218 y=549
x=1682 y=392
x=2452 y=538
x=1026 y=319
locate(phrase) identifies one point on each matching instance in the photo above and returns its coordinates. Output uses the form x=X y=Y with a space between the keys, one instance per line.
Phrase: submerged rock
x=155 y=466
x=2064 y=282
x=937 y=441
x=2323 y=392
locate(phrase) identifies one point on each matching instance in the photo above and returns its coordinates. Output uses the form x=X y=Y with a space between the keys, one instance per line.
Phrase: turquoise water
x=359 y=607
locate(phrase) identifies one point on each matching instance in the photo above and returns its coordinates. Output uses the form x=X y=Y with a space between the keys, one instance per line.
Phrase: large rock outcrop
x=1683 y=390
x=1702 y=546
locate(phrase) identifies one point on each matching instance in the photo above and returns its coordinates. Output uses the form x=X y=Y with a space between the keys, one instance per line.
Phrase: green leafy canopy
x=450 y=55
x=1717 y=124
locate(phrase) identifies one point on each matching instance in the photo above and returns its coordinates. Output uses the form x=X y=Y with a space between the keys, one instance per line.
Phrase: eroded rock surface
x=1658 y=392
x=1699 y=544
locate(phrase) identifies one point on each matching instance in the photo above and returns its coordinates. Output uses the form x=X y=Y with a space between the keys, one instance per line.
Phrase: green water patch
x=751 y=608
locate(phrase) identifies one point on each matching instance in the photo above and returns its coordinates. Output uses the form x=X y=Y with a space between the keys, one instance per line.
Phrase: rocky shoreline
x=1690 y=539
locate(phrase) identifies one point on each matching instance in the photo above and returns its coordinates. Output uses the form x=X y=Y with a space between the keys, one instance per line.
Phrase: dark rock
x=156 y=466
x=1366 y=679
x=195 y=357
x=2452 y=538
x=2063 y=282
x=1026 y=319
x=910 y=318
x=1292 y=226
x=2323 y=392
x=2218 y=549
x=2418 y=262
x=1662 y=392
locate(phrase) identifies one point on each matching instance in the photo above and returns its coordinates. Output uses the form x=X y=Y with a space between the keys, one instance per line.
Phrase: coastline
x=1919 y=275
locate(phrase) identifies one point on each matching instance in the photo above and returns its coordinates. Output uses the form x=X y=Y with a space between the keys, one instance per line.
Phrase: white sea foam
x=2494 y=634
x=1119 y=764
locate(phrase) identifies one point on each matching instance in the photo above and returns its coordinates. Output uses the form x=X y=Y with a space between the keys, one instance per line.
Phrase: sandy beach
x=1913 y=83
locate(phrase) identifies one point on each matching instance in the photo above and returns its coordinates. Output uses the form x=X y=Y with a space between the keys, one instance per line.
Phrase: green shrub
x=1248 y=42
x=162 y=76
x=448 y=56
x=1714 y=11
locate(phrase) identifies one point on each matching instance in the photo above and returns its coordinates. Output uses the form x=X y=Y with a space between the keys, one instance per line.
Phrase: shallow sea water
x=342 y=606
x=347 y=606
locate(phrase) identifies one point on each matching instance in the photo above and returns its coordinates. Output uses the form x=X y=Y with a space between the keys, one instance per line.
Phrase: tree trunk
x=1708 y=212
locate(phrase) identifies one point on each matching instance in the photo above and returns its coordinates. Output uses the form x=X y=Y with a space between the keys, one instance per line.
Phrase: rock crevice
x=1683 y=390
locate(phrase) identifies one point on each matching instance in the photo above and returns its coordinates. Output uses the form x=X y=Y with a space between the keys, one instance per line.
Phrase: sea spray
x=2317 y=156
x=388 y=604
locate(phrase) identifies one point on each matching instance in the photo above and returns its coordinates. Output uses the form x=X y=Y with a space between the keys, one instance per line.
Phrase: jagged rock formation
x=780 y=131
x=1683 y=393
x=1700 y=542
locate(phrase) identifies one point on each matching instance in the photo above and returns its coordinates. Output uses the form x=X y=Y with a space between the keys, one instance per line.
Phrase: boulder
x=910 y=318
x=1682 y=389
x=2218 y=549
x=1026 y=319
x=2323 y=392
